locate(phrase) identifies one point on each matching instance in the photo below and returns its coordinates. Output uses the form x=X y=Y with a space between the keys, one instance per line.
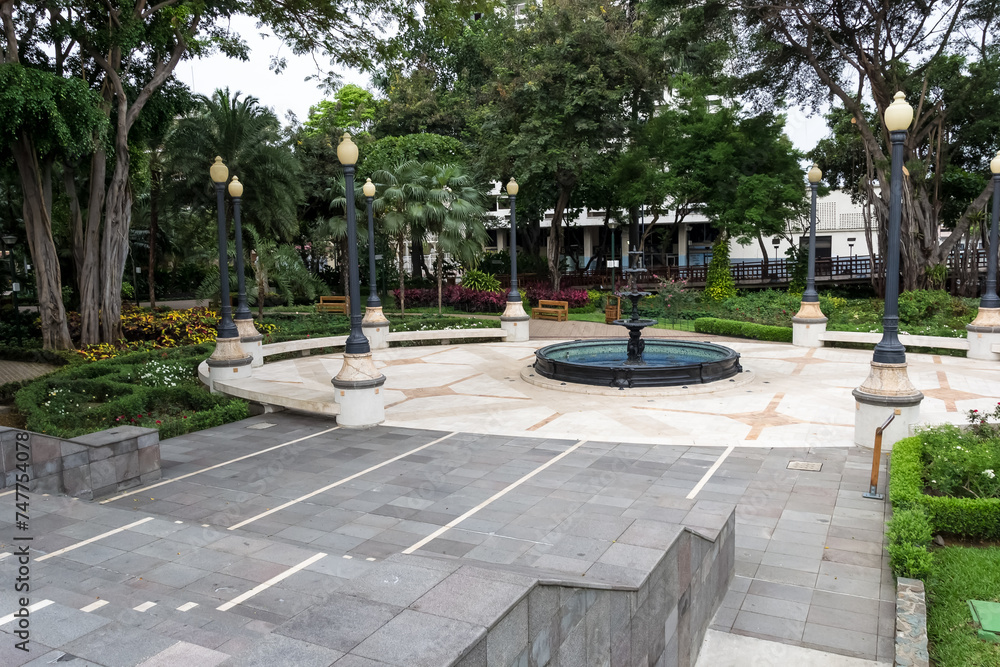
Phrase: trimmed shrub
x=151 y=389
x=967 y=517
x=909 y=535
x=712 y=325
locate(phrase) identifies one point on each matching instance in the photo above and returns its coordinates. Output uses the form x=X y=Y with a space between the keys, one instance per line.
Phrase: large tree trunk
x=38 y=224
x=90 y=253
x=418 y=269
x=114 y=248
x=440 y=272
x=554 y=249
x=766 y=266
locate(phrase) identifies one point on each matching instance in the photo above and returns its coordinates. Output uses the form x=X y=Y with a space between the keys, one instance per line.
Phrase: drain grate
x=805 y=465
x=261 y=425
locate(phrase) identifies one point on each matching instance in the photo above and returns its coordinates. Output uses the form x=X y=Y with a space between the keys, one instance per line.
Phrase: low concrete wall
x=662 y=622
x=88 y=467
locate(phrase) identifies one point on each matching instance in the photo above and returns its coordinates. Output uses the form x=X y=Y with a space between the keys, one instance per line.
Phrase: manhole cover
x=805 y=465
x=260 y=425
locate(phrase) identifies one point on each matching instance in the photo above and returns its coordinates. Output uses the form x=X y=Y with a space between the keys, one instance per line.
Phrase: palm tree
x=403 y=191
x=248 y=138
x=454 y=211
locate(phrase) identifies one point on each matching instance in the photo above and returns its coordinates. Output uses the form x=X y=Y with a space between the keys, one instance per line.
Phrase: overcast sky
x=289 y=91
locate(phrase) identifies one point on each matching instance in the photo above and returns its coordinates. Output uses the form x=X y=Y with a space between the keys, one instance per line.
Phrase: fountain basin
x=667 y=363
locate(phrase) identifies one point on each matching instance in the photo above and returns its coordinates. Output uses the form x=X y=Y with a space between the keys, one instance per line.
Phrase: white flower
x=989 y=473
x=933 y=481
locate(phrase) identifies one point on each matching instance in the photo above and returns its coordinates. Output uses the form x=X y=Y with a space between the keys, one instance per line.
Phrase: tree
x=247 y=137
x=353 y=109
x=43 y=118
x=453 y=212
x=126 y=51
x=402 y=191
x=559 y=102
x=942 y=54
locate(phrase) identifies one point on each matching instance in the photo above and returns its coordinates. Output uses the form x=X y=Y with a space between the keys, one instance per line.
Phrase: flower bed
x=943 y=480
x=156 y=389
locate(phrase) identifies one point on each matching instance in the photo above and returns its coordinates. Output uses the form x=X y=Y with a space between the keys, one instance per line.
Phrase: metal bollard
x=876 y=455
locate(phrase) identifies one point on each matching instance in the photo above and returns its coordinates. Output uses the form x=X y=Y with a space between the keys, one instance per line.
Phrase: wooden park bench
x=551 y=310
x=613 y=311
x=333 y=304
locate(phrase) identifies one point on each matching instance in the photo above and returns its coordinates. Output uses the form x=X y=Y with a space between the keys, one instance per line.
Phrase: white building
x=840 y=232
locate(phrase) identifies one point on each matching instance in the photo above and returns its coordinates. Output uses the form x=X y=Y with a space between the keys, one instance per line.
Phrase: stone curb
x=911 y=624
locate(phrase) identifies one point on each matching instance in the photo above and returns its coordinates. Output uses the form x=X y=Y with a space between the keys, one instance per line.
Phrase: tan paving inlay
x=947 y=394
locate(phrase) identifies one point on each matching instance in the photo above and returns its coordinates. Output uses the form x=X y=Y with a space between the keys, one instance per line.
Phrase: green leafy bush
x=910 y=560
x=479 y=280
x=712 y=325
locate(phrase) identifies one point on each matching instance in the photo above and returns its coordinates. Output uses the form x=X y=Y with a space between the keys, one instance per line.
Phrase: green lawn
x=960 y=574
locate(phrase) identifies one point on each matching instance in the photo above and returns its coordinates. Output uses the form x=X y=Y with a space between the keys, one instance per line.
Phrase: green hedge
x=713 y=325
x=968 y=517
x=157 y=389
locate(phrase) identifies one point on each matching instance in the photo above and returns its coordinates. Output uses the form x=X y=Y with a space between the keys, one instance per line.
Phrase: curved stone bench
x=908 y=340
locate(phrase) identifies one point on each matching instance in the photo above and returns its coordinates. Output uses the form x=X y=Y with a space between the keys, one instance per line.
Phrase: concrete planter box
x=90 y=466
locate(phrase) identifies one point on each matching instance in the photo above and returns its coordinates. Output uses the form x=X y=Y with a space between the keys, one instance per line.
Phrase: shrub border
x=968 y=517
x=735 y=328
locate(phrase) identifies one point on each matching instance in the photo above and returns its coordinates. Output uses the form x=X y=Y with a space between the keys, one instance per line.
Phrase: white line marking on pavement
x=4 y=555
x=187 y=606
x=339 y=482
x=270 y=582
x=711 y=471
x=217 y=465
x=94 y=606
x=7 y=493
x=498 y=494
x=33 y=608
x=93 y=539
x=145 y=606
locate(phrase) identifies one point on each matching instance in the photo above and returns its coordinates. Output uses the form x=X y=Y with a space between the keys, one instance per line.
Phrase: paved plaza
x=283 y=539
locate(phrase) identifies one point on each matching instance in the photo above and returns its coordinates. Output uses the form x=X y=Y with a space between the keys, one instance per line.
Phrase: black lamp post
x=515 y=293
x=775 y=241
x=373 y=300
x=613 y=225
x=990 y=299
x=9 y=240
x=242 y=309
x=227 y=328
x=810 y=294
x=889 y=350
x=347 y=153
x=850 y=256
